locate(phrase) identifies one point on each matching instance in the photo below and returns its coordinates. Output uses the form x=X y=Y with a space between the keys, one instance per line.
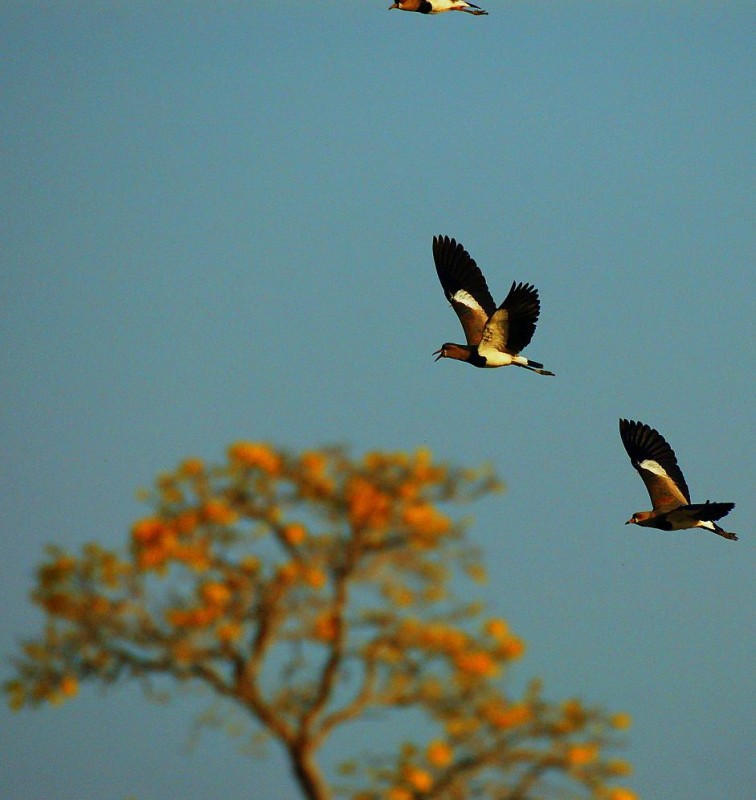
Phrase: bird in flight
x=495 y=336
x=657 y=465
x=438 y=6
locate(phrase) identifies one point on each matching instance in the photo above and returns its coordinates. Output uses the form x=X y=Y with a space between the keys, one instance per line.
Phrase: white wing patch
x=653 y=466
x=466 y=299
x=447 y=5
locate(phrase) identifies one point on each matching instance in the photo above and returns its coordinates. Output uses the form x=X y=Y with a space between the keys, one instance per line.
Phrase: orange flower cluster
x=229 y=631
x=113 y=570
x=379 y=461
x=314 y=577
x=506 y=716
x=192 y=468
x=424 y=471
x=193 y=618
x=294 y=534
x=439 y=753
x=368 y=507
x=471 y=660
x=412 y=779
x=252 y=455
x=313 y=478
x=216 y=512
x=186 y=521
x=510 y=648
x=216 y=594
x=477 y=664
x=313 y=462
x=158 y=541
x=574 y=716
x=419 y=779
x=326 y=626
x=578 y=755
x=61 y=604
x=435 y=637
x=215 y=597
x=497 y=629
x=621 y=721
x=57 y=571
x=68 y=686
x=300 y=573
x=426 y=523
x=155 y=541
x=618 y=793
x=169 y=491
x=54 y=690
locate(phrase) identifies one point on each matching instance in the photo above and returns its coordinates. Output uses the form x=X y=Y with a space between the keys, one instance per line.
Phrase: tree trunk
x=307 y=773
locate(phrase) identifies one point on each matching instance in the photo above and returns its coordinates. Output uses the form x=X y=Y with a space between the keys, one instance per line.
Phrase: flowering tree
x=308 y=590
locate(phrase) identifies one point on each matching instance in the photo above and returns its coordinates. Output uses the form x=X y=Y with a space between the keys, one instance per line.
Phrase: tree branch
x=336 y=656
x=353 y=709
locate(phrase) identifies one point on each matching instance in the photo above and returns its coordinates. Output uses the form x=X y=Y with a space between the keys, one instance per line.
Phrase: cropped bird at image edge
x=438 y=7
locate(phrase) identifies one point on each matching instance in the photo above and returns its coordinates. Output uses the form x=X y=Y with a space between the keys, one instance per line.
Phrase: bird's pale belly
x=495 y=358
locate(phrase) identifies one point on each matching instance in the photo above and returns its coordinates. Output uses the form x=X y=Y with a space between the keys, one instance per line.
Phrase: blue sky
x=217 y=224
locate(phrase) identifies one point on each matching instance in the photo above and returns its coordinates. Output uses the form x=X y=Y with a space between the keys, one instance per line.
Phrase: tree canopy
x=308 y=591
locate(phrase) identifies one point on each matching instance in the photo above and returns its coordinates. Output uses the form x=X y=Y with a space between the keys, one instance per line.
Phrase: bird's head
x=459 y=351
x=638 y=518
x=442 y=352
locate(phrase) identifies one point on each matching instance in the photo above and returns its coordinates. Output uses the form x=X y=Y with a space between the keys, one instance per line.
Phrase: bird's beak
x=393 y=5
x=438 y=354
x=629 y=521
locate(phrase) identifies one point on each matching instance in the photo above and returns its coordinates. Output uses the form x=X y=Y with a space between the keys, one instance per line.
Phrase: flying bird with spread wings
x=657 y=465
x=438 y=6
x=495 y=336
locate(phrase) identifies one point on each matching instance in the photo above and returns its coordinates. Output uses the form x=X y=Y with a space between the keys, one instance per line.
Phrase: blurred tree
x=309 y=590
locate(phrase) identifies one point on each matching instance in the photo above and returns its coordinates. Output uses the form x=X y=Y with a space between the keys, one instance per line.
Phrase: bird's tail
x=707 y=512
x=533 y=366
x=724 y=533
x=479 y=12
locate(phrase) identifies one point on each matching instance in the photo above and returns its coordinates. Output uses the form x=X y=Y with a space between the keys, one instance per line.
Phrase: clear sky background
x=216 y=225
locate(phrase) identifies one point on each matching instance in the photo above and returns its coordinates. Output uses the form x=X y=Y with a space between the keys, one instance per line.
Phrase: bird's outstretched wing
x=464 y=286
x=656 y=464
x=513 y=324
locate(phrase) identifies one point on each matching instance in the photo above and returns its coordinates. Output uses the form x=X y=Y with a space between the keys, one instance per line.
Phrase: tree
x=308 y=590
